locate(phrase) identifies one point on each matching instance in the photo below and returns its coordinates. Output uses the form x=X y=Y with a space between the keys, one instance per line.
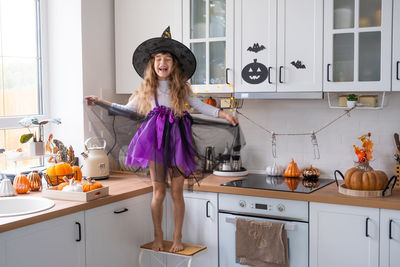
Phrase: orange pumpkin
x=292 y=170
x=362 y=179
x=77 y=173
x=292 y=182
x=91 y=185
x=35 y=181
x=211 y=101
x=311 y=173
x=56 y=172
x=21 y=184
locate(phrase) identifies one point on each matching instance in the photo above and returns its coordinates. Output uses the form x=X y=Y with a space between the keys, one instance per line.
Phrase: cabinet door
x=396 y=46
x=200 y=226
x=300 y=41
x=255 y=46
x=208 y=32
x=390 y=238
x=343 y=236
x=135 y=22
x=58 y=242
x=357 y=45
x=115 y=232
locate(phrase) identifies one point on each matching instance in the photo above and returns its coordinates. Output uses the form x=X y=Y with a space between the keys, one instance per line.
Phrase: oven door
x=297 y=233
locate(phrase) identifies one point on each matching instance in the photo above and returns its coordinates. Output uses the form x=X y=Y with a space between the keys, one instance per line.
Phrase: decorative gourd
x=21 y=184
x=292 y=182
x=57 y=171
x=364 y=179
x=274 y=170
x=35 y=181
x=73 y=187
x=91 y=185
x=311 y=173
x=292 y=170
x=64 y=184
x=211 y=101
x=6 y=188
x=77 y=173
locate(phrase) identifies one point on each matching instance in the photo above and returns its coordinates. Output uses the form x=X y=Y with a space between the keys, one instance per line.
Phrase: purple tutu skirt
x=165 y=140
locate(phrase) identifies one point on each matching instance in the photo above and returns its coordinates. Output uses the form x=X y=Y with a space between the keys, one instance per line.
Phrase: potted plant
x=37 y=146
x=351 y=100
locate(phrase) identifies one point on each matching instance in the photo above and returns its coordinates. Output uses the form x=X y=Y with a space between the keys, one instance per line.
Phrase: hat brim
x=184 y=55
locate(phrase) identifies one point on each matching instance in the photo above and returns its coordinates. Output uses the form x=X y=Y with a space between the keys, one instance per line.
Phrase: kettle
x=96 y=164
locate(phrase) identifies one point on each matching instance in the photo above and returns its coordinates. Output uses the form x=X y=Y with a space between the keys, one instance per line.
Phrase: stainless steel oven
x=294 y=214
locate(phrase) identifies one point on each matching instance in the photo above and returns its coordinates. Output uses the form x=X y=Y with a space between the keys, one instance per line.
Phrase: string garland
x=312 y=134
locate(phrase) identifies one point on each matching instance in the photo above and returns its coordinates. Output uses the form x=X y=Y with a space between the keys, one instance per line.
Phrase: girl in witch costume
x=164 y=140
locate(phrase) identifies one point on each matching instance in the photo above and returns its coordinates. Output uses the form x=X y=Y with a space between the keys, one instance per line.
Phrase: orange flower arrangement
x=364 y=153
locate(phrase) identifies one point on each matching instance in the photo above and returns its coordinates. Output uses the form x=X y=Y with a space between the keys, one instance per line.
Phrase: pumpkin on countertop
x=35 y=181
x=311 y=172
x=365 y=179
x=21 y=184
x=211 y=101
x=91 y=185
x=56 y=172
x=274 y=170
x=292 y=170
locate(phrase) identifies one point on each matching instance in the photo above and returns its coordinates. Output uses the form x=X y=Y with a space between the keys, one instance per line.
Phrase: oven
x=294 y=214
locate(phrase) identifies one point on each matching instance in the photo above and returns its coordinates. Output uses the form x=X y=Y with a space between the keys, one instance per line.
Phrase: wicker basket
x=53 y=180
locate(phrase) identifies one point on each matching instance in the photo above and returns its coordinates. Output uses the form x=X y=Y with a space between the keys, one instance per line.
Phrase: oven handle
x=288 y=226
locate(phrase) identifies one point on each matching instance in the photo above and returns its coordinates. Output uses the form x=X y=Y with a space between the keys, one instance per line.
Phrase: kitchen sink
x=14 y=206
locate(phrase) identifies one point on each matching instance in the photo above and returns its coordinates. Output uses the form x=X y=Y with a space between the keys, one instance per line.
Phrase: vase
x=37 y=149
x=351 y=104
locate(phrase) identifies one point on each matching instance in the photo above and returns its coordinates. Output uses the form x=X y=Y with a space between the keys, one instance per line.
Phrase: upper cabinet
x=396 y=46
x=357 y=45
x=135 y=22
x=278 y=45
x=208 y=32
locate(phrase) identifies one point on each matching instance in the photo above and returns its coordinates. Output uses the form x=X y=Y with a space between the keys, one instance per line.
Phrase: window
x=20 y=73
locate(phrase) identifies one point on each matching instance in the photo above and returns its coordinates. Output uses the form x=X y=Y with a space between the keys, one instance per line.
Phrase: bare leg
x=179 y=211
x=157 y=209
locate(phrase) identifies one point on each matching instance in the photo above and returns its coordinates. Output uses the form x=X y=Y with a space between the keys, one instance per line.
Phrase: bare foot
x=157 y=243
x=176 y=246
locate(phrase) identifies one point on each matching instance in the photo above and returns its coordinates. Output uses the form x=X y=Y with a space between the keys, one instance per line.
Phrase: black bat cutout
x=256 y=48
x=298 y=64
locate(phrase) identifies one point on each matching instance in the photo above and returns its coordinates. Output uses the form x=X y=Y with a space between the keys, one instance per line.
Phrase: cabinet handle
x=390 y=229
x=280 y=74
x=120 y=211
x=328 y=67
x=207 y=214
x=226 y=75
x=397 y=70
x=366 y=227
x=79 y=232
x=269 y=75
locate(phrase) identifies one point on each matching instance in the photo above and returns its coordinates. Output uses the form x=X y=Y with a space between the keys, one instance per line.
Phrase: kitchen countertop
x=124 y=186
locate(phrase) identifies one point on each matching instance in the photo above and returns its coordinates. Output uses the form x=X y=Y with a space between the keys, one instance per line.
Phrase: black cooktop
x=266 y=182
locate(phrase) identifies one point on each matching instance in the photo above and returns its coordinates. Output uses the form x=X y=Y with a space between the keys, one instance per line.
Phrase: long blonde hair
x=179 y=88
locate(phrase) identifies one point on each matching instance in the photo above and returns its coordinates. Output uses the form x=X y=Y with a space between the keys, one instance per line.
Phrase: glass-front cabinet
x=208 y=32
x=357 y=45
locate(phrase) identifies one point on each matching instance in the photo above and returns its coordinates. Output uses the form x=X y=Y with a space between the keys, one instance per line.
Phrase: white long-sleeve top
x=165 y=100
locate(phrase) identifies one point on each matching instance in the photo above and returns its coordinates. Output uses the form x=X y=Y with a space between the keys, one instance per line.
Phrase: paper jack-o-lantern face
x=255 y=72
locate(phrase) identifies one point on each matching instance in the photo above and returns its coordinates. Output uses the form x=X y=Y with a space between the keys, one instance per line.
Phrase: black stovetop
x=265 y=182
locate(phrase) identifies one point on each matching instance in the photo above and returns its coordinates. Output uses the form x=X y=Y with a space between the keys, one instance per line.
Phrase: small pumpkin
x=362 y=179
x=211 y=101
x=35 y=181
x=91 y=185
x=77 y=173
x=311 y=172
x=63 y=184
x=57 y=171
x=292 y=170
x=292 y=182
x=73 y=186
x=274 y=170
x=21 y=184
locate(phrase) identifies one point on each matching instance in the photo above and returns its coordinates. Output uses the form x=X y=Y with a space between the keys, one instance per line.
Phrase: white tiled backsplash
x=335 y=142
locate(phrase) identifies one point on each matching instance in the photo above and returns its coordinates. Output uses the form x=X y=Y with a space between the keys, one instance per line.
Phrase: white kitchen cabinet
x=115 y=232
x=396 y=46
x=343 y=236
x=135 y=22
x=278 y=45
x=357 y=45
x=208 y=32
x=390 y=238
x=200 y=226
x=58 y=242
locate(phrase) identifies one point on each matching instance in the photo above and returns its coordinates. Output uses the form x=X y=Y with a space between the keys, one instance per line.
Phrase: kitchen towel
x=261 y=243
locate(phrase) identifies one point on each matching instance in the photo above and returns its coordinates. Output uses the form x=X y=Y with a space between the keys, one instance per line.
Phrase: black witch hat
x=182 y=53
